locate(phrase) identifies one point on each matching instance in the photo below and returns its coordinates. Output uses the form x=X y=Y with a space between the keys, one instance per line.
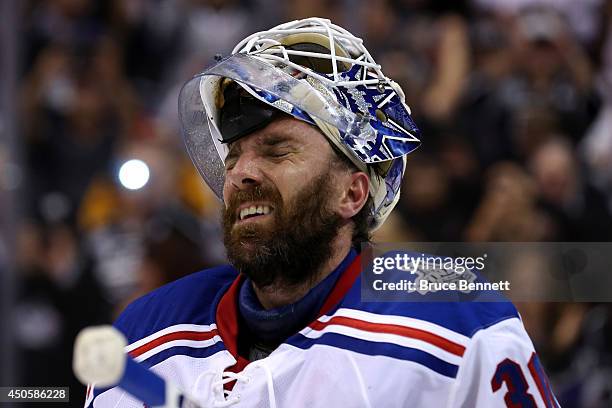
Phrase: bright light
x=134 y=174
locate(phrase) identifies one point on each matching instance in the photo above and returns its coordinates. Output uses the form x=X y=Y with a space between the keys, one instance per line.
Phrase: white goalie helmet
x=314 y=71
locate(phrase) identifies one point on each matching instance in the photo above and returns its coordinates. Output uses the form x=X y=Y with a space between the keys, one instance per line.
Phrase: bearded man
x=305 y=140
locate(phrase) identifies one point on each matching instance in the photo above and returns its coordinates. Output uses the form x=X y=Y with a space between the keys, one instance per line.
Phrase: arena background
x=513 y=98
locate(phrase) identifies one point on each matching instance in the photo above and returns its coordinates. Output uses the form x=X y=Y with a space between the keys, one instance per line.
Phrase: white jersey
x=355 y=354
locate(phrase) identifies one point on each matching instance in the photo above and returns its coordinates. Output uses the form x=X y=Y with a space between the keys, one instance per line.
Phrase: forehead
x=290 y=130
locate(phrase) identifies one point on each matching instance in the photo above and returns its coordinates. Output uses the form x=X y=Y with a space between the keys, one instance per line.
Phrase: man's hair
x=361 y=220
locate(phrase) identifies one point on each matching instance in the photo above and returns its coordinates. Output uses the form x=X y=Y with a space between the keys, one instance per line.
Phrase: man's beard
x=289 y=249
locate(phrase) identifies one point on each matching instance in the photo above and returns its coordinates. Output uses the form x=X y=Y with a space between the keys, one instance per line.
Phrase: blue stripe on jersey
x=143 y=384
x=183 y=351
x=371 y=348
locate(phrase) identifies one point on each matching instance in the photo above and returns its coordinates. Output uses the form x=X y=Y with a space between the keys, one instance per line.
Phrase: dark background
x=513 y=98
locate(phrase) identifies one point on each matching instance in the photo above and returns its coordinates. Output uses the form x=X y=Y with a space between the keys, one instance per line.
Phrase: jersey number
x=510 y=372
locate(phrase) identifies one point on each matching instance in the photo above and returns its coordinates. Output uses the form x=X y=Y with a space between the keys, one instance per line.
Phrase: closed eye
x=230 y=162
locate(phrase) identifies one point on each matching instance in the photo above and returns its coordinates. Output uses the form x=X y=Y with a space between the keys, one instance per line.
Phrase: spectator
x=508 y=210
x=58 y=297
x=579 y=208
x=483 y=114
x=553 y=72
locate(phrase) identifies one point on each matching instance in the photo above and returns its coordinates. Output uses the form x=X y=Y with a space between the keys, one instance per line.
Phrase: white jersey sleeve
x=501 y=369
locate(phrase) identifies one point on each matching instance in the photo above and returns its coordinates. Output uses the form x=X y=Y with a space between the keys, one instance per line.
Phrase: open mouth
x=253 y=211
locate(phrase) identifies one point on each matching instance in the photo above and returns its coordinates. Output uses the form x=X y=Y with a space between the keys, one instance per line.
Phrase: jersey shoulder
x=189 y=300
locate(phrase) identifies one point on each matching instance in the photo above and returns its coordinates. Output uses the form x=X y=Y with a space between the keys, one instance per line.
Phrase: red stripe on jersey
x=226 y=317
x=179 y=335
x=342 y=286
x=403 y=331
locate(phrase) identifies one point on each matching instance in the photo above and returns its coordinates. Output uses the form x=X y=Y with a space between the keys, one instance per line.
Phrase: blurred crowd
x=514 y=99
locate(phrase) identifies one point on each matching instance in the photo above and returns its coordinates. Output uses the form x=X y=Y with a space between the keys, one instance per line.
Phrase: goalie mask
x=314 y=71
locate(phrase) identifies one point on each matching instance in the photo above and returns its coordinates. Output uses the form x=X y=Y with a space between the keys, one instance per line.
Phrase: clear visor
x=199 y=113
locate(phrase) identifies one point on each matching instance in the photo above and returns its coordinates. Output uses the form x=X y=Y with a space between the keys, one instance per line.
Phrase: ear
x=355 y=194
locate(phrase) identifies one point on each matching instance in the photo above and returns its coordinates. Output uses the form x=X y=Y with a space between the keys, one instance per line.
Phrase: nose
x=244 y=173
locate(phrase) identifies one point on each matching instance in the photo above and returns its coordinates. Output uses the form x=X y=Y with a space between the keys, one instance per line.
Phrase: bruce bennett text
x=426 y=286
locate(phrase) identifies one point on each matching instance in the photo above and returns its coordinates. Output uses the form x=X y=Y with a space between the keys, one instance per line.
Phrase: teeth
x=252 y=210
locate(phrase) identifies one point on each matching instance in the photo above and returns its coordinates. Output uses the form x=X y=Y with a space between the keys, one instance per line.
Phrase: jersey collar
x=226 y=315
